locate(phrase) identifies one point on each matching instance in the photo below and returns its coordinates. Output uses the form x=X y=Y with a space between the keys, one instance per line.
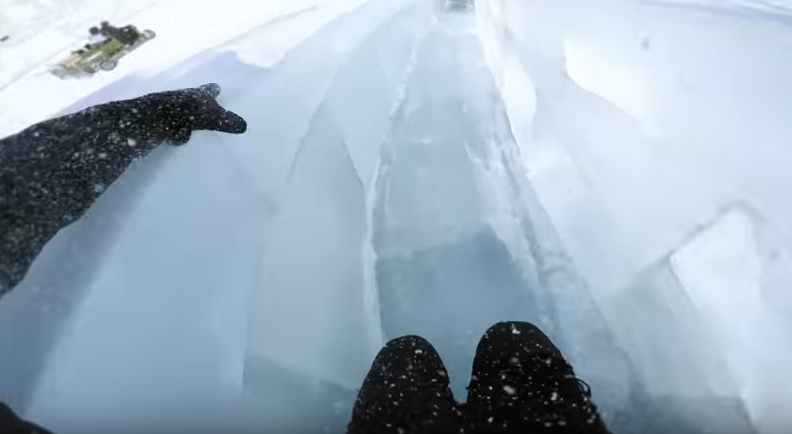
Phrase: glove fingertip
x=230 y=122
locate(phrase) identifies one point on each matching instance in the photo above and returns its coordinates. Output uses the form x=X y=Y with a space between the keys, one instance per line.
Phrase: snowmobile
x=107 y=45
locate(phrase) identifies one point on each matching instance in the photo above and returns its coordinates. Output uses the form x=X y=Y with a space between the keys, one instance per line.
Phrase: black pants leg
x=406 y=392
x=521 y=383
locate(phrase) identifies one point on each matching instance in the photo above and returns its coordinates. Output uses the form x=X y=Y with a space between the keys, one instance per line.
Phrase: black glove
x=49 y=172
x=178 y=113
x=169 y=116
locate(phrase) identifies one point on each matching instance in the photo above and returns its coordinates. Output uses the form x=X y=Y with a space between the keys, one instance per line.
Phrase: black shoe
x=406 y=392
x=522 y=384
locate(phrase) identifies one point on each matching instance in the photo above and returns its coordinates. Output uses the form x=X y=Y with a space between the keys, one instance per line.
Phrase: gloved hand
x=49 y=172
x=174 y=115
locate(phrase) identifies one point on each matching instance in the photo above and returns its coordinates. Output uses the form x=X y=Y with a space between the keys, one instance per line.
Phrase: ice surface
x=454 y=231
x=639 y=124
x=321 y=199
x=612 y=171
x=56 y=376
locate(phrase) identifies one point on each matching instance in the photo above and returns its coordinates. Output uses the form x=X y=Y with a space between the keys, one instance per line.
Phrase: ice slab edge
x=189 y=291
x=323 y=322
x=629 y=173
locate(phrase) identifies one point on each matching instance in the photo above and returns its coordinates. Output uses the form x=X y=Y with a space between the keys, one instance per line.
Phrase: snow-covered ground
x=611 y=170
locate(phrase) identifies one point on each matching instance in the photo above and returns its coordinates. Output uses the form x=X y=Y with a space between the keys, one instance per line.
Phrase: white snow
x=613 y=171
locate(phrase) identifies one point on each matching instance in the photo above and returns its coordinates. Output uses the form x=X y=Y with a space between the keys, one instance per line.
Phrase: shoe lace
x=585 y=389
